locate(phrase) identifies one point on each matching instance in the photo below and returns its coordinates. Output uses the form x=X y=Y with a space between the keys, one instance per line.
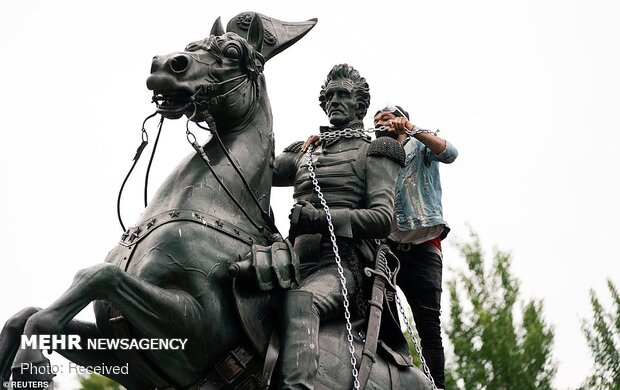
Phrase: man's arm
x=444 y=151
x=435 y=144
x=449 y=153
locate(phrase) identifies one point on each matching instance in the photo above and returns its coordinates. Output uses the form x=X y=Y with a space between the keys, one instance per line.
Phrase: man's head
x=383 y=117
x=344 y=95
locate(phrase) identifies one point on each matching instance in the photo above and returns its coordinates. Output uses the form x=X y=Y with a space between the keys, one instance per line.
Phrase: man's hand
x=307 y=219
x=312 y=140
x=400 y=124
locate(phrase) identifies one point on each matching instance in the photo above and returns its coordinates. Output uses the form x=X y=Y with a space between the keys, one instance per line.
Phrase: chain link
x=343 y=282
x=191 y=138
x=362 y=133
x=346 y=133
x=419 y=130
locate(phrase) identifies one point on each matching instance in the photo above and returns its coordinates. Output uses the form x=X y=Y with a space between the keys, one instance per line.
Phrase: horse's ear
x=217 y=28
x=256 y=33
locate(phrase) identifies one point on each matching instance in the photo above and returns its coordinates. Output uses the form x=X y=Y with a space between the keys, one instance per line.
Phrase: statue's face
x=340 y=102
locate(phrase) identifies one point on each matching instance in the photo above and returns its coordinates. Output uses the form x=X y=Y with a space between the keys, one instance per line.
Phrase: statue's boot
x=299 y=354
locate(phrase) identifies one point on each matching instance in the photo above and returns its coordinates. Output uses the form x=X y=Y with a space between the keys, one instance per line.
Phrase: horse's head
x=220 y=74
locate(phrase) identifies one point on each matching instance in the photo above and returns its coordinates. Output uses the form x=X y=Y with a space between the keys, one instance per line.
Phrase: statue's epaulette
x=388 y=147
x=294 y=147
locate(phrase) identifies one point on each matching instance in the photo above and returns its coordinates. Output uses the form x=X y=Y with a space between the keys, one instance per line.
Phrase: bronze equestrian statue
x=172 y=275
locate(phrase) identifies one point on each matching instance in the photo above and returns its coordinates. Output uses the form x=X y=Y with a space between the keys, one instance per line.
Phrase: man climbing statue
x=419 y=227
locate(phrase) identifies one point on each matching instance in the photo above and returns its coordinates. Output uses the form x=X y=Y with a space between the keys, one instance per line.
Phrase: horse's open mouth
x=172 y=104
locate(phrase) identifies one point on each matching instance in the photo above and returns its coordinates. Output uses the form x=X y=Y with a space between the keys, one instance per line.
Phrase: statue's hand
x=307 y=220
x=312 y=140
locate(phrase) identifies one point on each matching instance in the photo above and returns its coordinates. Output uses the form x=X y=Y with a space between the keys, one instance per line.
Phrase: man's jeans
x=420 y=280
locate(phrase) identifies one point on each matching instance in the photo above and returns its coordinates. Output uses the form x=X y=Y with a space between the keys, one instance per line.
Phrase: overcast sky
x=526 y=90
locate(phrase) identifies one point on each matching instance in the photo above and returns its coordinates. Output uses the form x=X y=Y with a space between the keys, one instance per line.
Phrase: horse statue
x=170 y=275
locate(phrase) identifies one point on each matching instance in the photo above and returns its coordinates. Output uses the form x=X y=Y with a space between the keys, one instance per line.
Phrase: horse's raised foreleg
x=159 y=312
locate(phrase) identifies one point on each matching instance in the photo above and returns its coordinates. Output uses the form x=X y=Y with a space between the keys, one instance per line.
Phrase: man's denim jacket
x=418 y=188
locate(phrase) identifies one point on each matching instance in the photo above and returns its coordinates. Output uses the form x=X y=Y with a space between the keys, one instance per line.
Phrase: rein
x=148 y=168
x=266 y=217
x=210 y=88
x=145 y=141
x=191 y=138
x=200 y=150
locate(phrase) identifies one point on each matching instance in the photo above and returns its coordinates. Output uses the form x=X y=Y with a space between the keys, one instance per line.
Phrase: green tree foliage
x=415 y=358
x=496 y=346
x=603 y=337
x=97 y=382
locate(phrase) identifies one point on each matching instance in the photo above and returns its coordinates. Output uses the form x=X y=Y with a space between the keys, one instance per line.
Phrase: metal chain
x=361 y=133
x=345 y=133
x=343 y=282
x=419 y=130
x=414 y=339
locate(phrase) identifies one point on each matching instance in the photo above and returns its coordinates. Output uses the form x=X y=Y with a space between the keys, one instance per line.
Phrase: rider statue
x=357 y=178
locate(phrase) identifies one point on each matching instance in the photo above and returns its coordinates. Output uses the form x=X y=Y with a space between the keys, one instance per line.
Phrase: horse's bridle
x=205 y=90
x=211 y=88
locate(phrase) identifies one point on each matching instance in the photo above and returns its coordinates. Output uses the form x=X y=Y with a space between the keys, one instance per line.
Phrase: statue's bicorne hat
x=277 y=35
